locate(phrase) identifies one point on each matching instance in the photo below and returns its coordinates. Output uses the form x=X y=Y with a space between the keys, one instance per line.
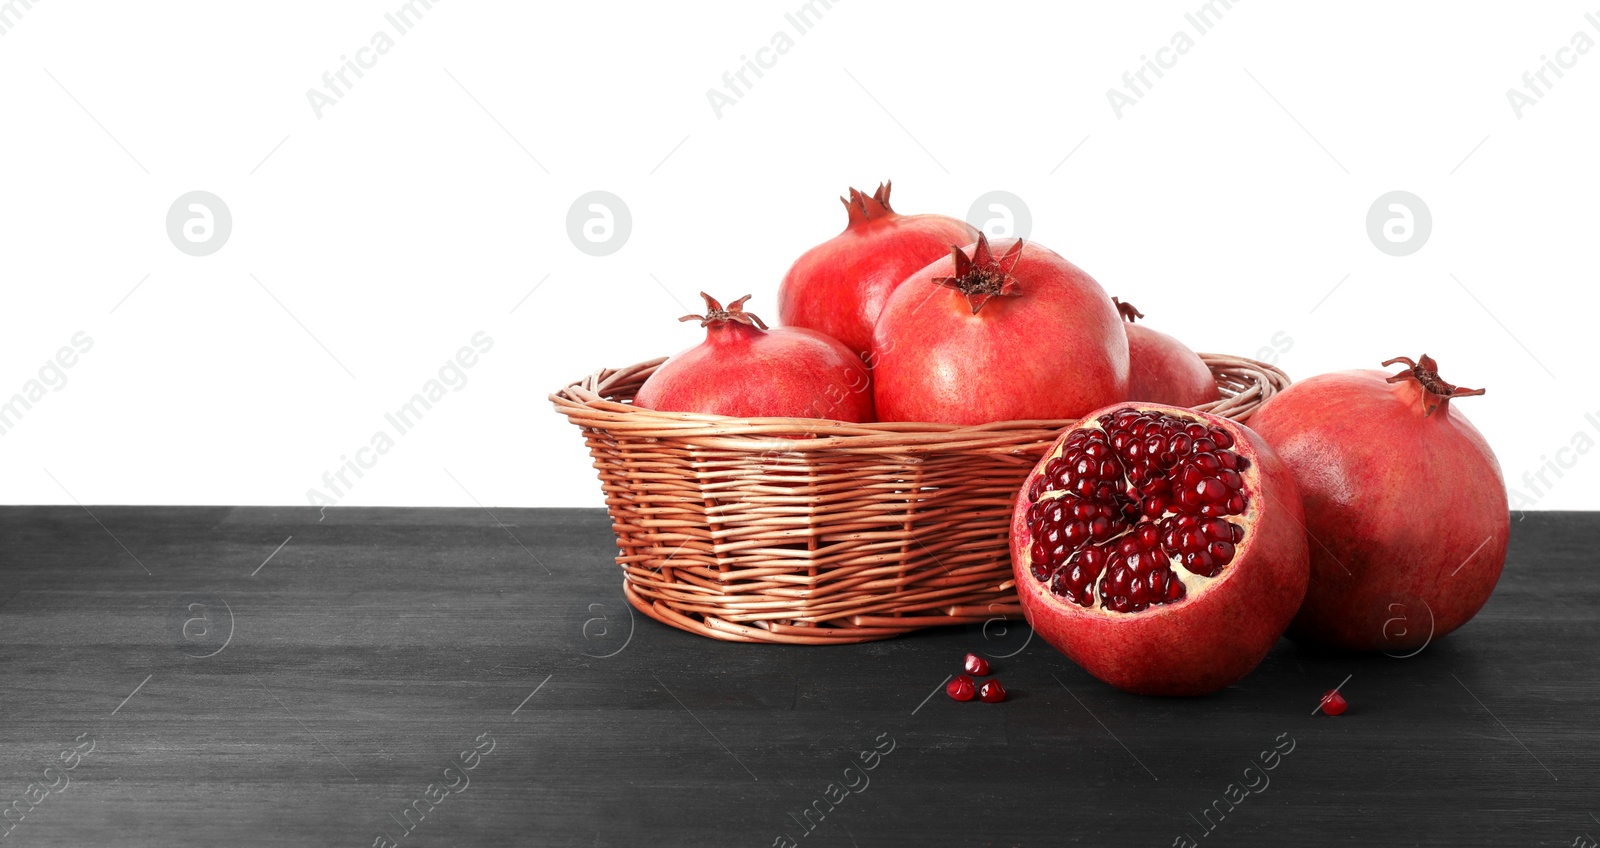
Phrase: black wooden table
x=216 y=676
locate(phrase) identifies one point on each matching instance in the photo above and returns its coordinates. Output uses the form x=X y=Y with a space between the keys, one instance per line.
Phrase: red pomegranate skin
x=840 y=286
x=1162 y=369
x=1211 y=639
x=745 y=371
x=1406 y=511
x=1054 y=348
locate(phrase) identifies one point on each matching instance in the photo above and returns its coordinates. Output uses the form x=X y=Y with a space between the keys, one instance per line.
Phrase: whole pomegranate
x=840 y=286
x=1405 y=505
x=1162 y=369
x=996 y=334
x=744 y=370
x=1160 y=548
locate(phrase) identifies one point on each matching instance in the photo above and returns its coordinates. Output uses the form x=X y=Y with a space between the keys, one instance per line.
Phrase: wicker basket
x=810 y=532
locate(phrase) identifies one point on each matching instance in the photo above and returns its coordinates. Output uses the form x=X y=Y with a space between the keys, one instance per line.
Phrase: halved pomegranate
x=1161 y=548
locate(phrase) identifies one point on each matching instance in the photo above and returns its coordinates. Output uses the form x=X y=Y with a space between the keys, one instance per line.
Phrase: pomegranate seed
x=1175 y=590
x=961 y=688
x=1334 y=703
x=977 y=665
x=991 y=692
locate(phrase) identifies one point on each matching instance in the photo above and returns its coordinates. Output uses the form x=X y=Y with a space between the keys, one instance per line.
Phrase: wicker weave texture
x=802 y=531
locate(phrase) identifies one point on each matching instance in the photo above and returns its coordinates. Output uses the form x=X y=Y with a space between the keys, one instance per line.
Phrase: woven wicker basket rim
x=587 y=402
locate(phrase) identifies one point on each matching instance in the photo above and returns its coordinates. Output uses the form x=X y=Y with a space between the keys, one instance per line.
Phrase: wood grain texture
x=376 y=646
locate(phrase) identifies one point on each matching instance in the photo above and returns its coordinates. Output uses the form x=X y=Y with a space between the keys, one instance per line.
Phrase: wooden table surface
x=245 y=676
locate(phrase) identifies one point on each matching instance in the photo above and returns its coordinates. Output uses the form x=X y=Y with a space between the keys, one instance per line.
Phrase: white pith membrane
x=1193 y=582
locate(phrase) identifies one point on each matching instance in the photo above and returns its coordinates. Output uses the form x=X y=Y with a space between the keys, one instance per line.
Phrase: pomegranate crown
x=865 y=207
x=1128 y=311
x=983 y=276
x=716 y=315
x=1425 y=372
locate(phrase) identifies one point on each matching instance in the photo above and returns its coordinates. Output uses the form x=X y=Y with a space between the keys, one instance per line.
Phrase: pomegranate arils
x=991 y=692
x=1137 y=574
x=1073 y=581
x=1334 y=703
x=1111 y=514
x=961 y=688
x=976 y=665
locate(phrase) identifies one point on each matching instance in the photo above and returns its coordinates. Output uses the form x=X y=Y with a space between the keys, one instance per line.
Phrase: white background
x=1229 y=203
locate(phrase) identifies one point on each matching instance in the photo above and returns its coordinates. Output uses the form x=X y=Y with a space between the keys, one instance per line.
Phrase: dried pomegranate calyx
x=983 y=276
x=1128 y=311
x=1425 y=372
x=865 y=207
x=716 y=314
